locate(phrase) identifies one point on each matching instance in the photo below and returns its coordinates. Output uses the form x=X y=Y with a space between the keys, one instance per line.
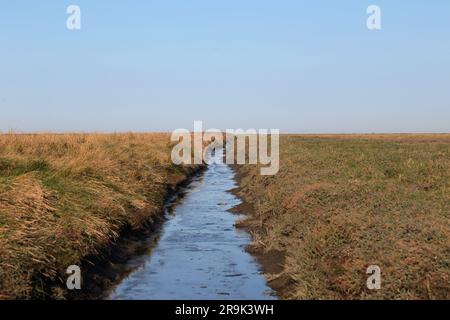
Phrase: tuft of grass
x=342 y=203
x=66 y=196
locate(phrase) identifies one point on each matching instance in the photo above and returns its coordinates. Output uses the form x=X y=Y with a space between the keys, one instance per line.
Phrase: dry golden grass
x=66 y=196
x=342 y=203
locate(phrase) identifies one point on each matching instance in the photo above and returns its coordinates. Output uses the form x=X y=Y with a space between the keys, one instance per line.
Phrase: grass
x=66 y=196
x=338 y=205
x=342 y=203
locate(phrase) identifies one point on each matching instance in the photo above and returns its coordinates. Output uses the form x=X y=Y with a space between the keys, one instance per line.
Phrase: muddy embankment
x=71 y=199
x=105 y=269
x=271 y=260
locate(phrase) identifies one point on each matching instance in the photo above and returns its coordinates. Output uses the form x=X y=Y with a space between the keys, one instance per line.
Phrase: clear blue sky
x=300 y=66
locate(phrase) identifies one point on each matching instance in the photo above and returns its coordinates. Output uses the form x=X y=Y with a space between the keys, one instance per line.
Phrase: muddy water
x=200 y=254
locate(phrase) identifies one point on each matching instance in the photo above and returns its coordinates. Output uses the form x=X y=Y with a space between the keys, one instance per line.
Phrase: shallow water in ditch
x=200 y=254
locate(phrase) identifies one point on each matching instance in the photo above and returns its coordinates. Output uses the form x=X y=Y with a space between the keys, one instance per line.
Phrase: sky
x=298 y=66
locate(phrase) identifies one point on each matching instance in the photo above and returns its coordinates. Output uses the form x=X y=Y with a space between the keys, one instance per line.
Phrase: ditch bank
x=108 y=266
x=104 y=270
x=272 y=260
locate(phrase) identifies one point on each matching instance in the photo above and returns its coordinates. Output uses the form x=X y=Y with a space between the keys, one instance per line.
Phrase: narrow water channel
x=200 y=254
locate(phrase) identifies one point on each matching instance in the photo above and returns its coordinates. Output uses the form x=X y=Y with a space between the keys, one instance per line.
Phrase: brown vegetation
x=342 y=203
x=66 y=196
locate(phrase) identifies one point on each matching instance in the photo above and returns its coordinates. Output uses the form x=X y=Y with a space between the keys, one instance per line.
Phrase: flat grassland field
x=337 y=205
x=342 y=203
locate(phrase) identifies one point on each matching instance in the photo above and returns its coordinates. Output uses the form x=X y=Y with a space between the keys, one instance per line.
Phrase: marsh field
x=64 y=197
x=338 y=204
x=342 y=203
